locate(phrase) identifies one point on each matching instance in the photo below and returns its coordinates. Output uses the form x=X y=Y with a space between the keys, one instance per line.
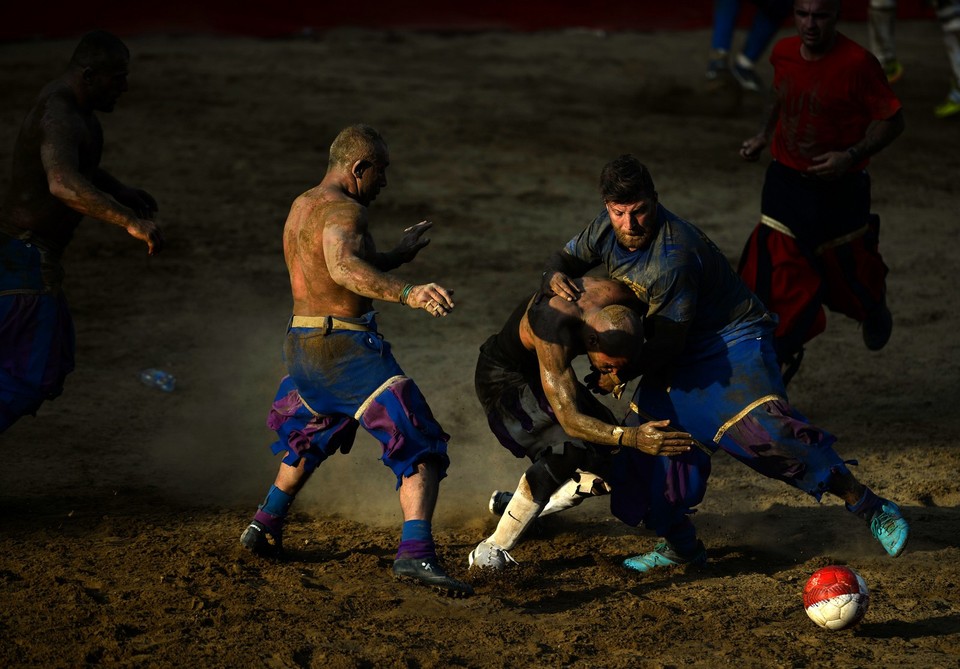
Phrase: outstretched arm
x=60 y=154
x=137 y=199
x=408 y=248
x=344 y=240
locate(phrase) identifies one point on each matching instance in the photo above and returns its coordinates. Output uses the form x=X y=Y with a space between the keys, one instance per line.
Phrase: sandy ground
x=121 y=506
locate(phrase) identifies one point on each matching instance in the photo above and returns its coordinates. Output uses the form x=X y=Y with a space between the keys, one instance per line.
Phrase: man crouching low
x=537 y=407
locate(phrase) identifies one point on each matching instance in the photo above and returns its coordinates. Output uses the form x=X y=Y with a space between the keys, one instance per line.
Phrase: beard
x=639 y=241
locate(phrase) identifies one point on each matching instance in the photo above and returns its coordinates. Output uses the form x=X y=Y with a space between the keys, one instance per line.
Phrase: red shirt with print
x=826 y=104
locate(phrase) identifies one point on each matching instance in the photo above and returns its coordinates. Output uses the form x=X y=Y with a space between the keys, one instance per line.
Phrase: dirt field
x=121 y=506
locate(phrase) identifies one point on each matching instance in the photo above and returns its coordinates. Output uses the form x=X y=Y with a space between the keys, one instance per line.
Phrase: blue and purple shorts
x=736 y=402
x=36 y=333
x=340 y=380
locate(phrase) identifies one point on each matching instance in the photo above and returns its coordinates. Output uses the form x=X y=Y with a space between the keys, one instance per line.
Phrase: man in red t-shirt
x=816 y=243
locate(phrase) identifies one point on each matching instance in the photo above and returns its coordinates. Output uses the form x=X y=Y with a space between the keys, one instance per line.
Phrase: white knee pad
x=574 y=491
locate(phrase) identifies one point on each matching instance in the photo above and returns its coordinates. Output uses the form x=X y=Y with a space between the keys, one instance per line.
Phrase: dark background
x=296 y=17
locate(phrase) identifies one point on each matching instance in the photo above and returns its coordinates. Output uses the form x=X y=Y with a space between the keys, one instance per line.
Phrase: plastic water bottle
x=157 y=378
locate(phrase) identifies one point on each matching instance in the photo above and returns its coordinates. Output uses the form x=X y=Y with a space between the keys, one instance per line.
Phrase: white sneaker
x=488 y=556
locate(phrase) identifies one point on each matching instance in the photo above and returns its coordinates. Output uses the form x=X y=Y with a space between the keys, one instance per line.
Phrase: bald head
x=99 y=49
x=355 y=142
x=616 y=331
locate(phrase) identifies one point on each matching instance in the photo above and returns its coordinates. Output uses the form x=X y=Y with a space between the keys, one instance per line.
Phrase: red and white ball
x=836 y=597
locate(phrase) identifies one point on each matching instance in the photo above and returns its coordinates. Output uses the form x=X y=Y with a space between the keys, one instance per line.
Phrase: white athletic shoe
x=488 y=556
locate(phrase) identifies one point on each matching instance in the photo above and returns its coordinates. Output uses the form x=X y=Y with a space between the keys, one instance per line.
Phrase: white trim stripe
x=776 y=225
x=383 y=386
x=743 y=412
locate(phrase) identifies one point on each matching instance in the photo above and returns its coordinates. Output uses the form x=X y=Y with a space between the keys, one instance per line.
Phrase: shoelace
x=884 y=522
x=506 y=556
x=663 y=550
x=656 y=556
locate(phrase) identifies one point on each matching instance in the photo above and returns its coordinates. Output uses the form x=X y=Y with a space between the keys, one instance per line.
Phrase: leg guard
x=517 y=517
x=572 y=493
x=553 y=469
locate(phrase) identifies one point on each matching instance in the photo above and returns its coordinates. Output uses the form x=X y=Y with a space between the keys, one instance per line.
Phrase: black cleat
x=426 y=571
x=498 y=502
x=260 y=541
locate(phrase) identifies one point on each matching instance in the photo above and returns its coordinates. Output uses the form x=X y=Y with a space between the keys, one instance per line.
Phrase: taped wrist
x=631 y=437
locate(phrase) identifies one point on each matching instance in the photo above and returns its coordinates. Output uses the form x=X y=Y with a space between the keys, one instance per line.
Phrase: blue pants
x=735 y=401
x=36 y=332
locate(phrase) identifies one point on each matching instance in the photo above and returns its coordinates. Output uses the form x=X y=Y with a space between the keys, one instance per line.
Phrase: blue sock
x=277 y=502
x=416 y=530
x=416 y=541
x=866 y=505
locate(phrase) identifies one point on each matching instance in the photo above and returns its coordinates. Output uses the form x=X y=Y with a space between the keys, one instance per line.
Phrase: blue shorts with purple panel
x=36 y=332
x=734 y=401
x=340 y=380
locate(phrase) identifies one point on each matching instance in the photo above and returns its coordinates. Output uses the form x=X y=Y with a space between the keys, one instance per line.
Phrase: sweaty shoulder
x=320 y=207
x=605 y=291
x=56 y=102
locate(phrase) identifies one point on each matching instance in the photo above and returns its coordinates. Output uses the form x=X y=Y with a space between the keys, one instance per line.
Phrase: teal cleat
x=890 y=528
x=664 y=555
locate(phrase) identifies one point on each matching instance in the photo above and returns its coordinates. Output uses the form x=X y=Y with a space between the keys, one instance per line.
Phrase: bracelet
x=854 y=154
x=618 y=433
x=405 y=293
